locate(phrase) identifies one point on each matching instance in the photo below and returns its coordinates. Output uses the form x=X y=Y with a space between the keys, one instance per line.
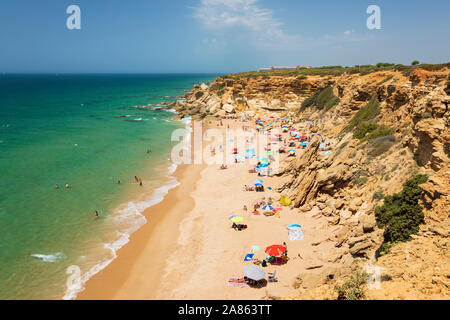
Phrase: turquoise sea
x=76 y=129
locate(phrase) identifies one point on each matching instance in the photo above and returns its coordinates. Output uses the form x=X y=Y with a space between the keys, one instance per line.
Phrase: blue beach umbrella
x=258 y=185
x=263 y=165
x=267 y=207
x=258 y=181
x=294 y=225
x=305 y=143
x=238 y=157
x=232 y=217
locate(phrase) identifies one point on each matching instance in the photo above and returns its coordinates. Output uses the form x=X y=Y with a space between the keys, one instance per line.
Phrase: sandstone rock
x=368 y=222
x=228 y=108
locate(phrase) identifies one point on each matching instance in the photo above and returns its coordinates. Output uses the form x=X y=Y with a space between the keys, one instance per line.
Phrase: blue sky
x=149 y=36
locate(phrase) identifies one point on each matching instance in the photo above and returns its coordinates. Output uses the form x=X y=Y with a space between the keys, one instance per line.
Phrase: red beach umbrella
x=275 y=250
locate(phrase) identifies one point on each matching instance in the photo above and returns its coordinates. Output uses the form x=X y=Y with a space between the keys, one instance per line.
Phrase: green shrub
x=360 y=178
x=363 y=129
x=198 y=94
x=353 y=289
x=385 y=80
x=220 y=92
x=380 y=145
x=415 y=63
x=401 y=214
x=378 y=195
x=381 y=131
x=384 y=64
x=218 y=86
x=367 y=112
x=322 y=100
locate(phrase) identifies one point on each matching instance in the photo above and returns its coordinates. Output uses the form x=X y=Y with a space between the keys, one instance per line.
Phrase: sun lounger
x=272 y=276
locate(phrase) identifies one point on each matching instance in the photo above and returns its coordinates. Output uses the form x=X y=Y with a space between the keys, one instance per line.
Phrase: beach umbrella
x=237 y=219
x=263 y=165
x=293 y=225
x=305 y=143
x=293 y=150
x=275 y=250
x=255 y=248
x=258 y=181
x=302 y=137
x=258 y=185
x=270 y=153
x=232 y=217
x=254 y=272
x=238 y=157
x=296 y=233
x=267 y=207
x=285 y=201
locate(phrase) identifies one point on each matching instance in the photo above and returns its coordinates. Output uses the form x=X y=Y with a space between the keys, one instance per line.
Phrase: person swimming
x=67 y=186
x=96 y=214
x=56 y=187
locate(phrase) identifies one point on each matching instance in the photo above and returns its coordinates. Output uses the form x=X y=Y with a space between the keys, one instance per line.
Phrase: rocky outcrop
x=344 y=187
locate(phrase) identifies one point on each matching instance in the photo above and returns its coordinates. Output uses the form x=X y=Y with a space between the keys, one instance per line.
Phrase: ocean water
x=75 y=129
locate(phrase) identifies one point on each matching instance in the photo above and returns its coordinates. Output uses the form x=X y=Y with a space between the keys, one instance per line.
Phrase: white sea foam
x=55 y=257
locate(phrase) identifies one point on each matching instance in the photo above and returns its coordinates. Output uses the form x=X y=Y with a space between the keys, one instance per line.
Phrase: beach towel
x=236 y=281
x=249 y=257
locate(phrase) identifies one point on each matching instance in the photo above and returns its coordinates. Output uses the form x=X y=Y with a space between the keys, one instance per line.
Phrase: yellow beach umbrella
x=285 y=201
x=237 y=219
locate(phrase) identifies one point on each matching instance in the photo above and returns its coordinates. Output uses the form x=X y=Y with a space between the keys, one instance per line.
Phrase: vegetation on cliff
x=366 y=113
x=340 y=70
x=352 y=289
x=367 y=131
x=401 y=213
x=322 y=100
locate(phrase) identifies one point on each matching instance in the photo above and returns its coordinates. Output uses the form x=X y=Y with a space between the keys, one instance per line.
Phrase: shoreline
x=188 y=242
x=114 y=281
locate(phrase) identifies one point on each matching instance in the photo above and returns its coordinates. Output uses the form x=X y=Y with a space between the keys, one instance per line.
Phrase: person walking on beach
x=285 y=245
x=118 y=181
x=136 y=179
x=140 y=182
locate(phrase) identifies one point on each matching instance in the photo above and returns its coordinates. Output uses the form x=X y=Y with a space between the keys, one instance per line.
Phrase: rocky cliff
x=384 y=128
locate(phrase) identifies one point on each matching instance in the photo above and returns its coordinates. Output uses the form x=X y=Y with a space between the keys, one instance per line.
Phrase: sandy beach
x=188 y=250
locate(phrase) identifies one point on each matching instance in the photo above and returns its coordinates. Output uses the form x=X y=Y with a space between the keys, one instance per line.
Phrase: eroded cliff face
x=344 y=186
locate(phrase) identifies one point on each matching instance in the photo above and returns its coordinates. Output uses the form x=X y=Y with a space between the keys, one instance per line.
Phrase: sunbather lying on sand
x=223 y=167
